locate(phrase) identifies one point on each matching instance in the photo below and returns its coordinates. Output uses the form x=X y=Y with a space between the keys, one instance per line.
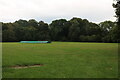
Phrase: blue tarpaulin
x=35 y=42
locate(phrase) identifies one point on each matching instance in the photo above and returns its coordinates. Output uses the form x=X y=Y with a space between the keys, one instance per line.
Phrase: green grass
x=61 y=60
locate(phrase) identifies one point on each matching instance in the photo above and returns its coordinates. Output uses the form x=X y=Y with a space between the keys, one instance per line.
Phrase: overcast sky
x=48 y=10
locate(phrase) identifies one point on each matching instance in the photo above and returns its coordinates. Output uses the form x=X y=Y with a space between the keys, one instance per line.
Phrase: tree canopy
x=76 y=29
x=117 y=11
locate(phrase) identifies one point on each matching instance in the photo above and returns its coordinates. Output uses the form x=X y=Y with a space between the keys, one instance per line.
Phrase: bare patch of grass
x=26 y=66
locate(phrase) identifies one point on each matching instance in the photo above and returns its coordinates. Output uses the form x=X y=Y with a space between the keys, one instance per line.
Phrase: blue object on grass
x=35 y=42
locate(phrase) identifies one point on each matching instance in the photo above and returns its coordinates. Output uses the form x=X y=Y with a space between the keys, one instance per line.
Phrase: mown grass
x=61 y=60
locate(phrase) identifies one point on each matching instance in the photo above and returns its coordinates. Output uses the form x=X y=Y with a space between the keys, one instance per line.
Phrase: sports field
x=60 y=60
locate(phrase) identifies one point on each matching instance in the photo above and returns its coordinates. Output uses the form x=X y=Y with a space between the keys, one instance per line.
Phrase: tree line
x=76 y=30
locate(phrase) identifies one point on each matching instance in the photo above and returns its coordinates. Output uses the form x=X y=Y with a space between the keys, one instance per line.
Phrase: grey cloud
x=48 y=10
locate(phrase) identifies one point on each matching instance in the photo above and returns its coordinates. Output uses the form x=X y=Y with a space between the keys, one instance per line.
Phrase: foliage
x=76 y=29
x=117 y=11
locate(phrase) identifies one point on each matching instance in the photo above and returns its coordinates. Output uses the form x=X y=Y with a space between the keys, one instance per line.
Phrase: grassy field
x=61 y=60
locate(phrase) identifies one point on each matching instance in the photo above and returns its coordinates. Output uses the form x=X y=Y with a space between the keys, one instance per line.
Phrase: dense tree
x=117 y=29
x=43 y=32
x=108 y=31
x=22 y=23
x=59 y=30
x=8 y=32
x=83 y=30
x=76 y=29
x=33 y=23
